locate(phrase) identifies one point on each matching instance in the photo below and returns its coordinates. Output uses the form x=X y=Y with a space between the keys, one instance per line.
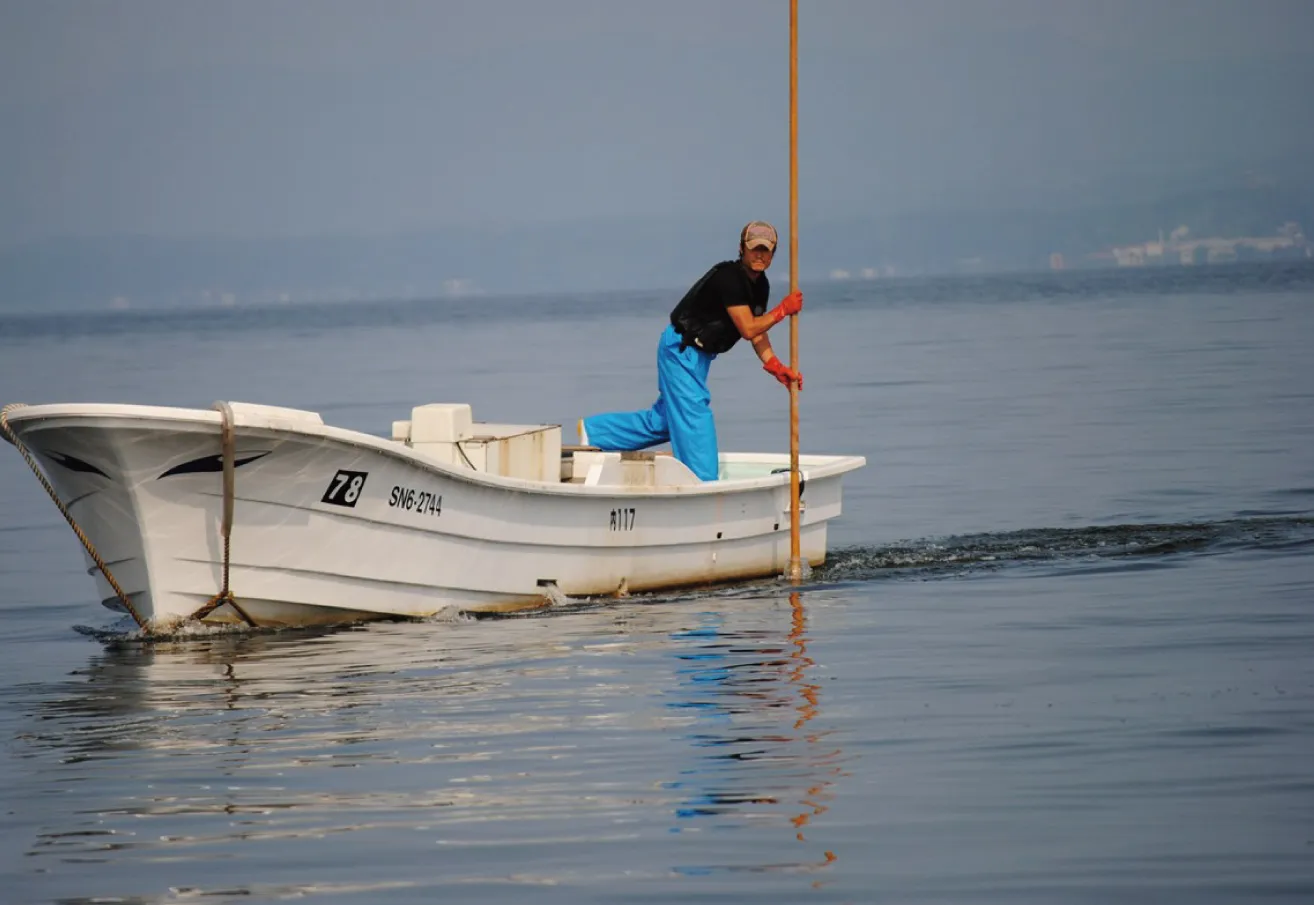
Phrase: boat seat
x=596 y=468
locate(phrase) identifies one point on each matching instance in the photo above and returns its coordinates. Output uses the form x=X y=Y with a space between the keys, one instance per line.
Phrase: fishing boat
x=268 y=516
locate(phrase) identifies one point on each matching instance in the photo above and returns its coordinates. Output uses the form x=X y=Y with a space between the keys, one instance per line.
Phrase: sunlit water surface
x=1061 y=651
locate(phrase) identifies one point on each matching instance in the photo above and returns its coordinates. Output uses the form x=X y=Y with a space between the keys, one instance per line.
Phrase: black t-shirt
x=701 y=316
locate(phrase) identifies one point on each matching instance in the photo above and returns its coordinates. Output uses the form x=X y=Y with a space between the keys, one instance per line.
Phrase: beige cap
x=758 y=234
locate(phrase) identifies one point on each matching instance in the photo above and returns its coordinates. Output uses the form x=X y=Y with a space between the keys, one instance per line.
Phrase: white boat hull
x=331 y=525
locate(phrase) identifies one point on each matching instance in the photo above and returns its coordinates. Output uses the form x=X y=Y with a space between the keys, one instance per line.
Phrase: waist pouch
x=707 y=337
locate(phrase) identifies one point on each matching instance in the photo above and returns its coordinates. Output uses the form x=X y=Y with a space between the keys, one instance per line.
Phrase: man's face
x=758 y=259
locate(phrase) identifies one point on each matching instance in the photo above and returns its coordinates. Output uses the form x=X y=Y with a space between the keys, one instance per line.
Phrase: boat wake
x=956 y=555
x=124 y=631
x=935 y=557
x=448 y=614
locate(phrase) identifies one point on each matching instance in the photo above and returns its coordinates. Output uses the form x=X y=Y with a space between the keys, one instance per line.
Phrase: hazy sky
x=296 y=117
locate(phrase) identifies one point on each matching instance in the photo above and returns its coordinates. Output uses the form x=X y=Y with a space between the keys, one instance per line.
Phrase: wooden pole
x=795 y=559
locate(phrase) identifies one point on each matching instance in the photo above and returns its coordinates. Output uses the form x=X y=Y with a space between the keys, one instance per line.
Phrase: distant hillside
x=590 y=256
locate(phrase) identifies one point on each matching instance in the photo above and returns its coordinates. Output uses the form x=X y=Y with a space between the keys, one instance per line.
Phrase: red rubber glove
x=776 y=368
x=790 y=304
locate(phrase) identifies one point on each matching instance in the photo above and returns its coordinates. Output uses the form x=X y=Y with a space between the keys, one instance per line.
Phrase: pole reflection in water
x=808 y=707
x=752 y=699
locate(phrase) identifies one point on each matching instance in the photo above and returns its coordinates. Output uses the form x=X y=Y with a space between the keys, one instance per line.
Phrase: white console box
x=528 y=451
x=440 y=422
x=448 y=433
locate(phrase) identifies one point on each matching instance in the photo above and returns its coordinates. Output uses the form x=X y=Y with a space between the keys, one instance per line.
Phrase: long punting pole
x=795 y=560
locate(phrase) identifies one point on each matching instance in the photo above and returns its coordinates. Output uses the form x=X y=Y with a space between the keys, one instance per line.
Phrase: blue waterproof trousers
x=682 y=413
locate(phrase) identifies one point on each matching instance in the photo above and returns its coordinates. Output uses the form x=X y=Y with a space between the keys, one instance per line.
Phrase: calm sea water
x=1063 y=650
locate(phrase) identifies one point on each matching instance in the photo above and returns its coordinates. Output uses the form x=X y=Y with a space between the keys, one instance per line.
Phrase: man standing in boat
x=729 y=302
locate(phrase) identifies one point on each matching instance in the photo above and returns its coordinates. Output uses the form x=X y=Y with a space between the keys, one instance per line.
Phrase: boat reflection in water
x=548 y=749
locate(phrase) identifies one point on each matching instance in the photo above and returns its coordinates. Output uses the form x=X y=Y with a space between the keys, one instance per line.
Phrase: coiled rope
x=86 y=542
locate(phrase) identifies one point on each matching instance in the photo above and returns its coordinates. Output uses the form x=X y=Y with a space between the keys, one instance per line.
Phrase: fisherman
x=729 y=302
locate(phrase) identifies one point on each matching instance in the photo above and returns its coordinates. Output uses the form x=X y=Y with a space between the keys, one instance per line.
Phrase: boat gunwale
x=815 y=467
